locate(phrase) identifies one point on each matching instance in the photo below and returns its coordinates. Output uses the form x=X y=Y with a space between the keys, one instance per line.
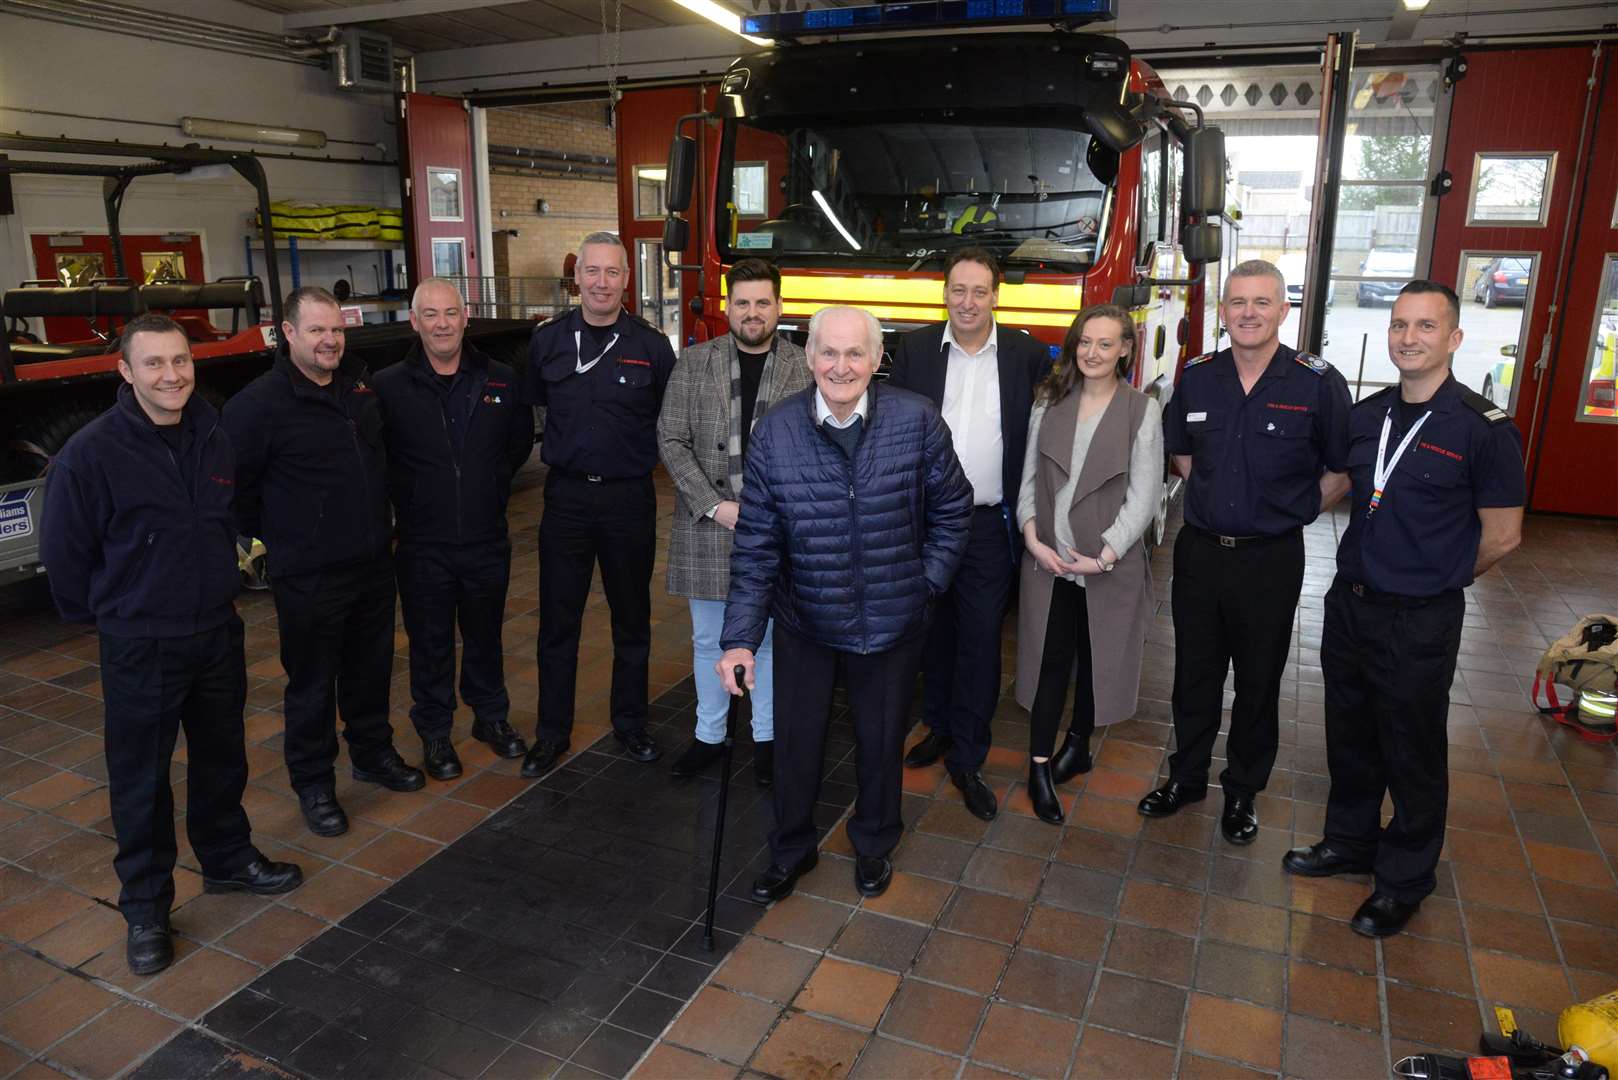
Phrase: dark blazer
x=919 y=365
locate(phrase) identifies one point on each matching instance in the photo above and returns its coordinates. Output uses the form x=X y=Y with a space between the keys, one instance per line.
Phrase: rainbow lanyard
x=1384 y=468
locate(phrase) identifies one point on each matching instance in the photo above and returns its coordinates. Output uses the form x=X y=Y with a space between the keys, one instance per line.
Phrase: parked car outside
x=1396 y=266
x=1503 y=281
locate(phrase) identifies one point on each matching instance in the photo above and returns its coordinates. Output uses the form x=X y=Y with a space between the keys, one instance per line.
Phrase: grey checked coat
x=693 y=437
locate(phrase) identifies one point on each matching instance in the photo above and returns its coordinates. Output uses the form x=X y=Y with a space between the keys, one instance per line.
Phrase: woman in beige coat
x=1090 y=487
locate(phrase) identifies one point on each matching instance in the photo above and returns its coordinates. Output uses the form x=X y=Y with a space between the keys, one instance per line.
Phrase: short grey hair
x=1255 y=268
x=605 y=238
x=873 y=330
x=425 y=283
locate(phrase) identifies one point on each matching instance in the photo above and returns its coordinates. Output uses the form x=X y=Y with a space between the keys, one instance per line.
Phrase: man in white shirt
x=982 y=378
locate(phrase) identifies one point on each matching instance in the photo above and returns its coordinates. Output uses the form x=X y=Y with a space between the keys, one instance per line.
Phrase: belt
x=1241 y=541
x=592 y=478
x=1370 y=595
x=985 y=508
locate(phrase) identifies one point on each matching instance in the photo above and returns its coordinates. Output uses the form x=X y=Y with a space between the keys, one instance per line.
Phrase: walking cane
x=724 y=793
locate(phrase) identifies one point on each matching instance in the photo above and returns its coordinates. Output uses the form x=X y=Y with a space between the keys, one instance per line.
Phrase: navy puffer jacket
x=846 y=552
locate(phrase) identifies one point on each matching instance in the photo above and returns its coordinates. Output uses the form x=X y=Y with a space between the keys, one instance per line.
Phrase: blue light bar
x=918 y=14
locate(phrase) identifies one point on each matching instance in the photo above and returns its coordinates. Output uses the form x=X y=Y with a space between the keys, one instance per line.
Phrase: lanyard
x=1385 y=466
x=579 y=366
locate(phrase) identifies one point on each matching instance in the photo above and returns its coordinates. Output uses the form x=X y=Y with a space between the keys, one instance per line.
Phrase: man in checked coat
x=718 y=389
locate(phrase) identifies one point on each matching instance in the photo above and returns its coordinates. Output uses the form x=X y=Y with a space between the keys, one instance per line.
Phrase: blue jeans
x=707 y=621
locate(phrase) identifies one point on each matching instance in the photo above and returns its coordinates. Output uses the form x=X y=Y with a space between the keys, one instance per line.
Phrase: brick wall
x=577 y=206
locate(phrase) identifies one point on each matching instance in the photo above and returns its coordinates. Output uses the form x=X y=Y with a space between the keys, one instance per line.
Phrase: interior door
x=1524 y=235
x=438 y=173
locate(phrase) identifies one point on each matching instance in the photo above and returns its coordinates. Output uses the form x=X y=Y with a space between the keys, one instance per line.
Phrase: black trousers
x=962 y=659
x=337 y=649
x=442 y=586
x=1067 y=648
x=880 y=687
x=1388 y=665
x=1233 y=607
x=613 y=523
x=152 y=688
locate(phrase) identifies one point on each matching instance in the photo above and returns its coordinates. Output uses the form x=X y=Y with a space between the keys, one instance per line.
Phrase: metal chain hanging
x=612 y=48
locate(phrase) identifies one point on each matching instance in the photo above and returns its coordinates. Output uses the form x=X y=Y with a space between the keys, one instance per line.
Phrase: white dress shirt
x=823 y=414
x=972 y=411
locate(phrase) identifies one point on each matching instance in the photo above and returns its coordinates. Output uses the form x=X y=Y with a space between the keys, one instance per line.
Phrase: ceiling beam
x=397 y=9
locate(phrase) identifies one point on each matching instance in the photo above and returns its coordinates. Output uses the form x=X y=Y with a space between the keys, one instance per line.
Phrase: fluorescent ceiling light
x=1415 y=5
x=721 y=15
x=820 y=201
x=203 y=128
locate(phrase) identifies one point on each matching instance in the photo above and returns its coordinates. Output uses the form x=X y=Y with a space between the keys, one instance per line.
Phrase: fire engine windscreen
x=909 y=193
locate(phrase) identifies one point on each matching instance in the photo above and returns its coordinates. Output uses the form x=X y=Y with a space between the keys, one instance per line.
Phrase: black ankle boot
x=1042 y=792
x=1072 y=759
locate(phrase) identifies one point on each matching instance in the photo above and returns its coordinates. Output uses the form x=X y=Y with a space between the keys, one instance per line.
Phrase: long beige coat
x=1119 y=603
x=693 y=439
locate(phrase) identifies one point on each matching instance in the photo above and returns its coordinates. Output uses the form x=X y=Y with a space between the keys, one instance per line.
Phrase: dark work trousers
x=442 y=586
x=1233 y=607
x=962 y=659
x=880 y=687
x=1388 y=663
x=153 y=687
x=337 y=649
x=614 y=523
x=1067 y=650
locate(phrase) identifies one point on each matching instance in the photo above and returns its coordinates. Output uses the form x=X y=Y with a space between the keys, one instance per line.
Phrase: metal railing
x=514 y=297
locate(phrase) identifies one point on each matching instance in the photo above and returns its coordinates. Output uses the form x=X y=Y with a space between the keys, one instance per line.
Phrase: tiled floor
x=495 y=927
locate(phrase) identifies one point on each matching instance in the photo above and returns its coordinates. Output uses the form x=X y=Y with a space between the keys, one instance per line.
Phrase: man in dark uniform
x=311 y=481
x=982 y=378
x=139 y=539
x=1260 y=432
x=1438 y=499
x=600 y=373
x=456 y=432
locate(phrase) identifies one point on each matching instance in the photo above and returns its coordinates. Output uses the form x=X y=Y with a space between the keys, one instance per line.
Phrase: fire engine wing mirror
x=1203 y=185
x=676 y=235
x=1200 y=243
x=1114 y=126
x=681 y=174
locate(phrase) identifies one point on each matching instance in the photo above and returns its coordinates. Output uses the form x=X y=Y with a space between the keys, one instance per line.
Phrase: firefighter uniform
x=1393 y=621
x=1256 y=462
x=602 y=388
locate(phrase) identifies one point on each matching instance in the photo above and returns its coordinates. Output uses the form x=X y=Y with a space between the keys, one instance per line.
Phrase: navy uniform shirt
x=601 y=420
x=1256 y=458
x=1422 y=539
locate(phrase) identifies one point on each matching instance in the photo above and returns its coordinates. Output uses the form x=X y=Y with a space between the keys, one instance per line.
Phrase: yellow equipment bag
x=1592 y=1025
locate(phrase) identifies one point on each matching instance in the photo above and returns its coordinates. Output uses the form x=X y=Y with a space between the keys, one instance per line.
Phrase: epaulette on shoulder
x=644 y=325
x=1481 y=405
x=1381 y=397
x=558 y=317
x=1313 y=363
x=1195 y=360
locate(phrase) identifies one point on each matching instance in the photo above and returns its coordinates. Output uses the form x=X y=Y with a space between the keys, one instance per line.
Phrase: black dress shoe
x=979 y=799
x=929 y=750
x=322 y=813
x=764 y=763
x=542 y=755
x=149 y=949
x=1382 y=916
x=260 y=877
x=439 y=759
x=1042 y=793
x=1322 y=860
x=1239 y=822
x=1072 y=759
x=1168 y=799
x=871 y=876
x=638 y=746
x=697 y=758
x=392 y=773
x=501 y=739
x=777 y=881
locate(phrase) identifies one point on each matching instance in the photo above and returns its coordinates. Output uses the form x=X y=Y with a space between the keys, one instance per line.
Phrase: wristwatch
x=1106 y=567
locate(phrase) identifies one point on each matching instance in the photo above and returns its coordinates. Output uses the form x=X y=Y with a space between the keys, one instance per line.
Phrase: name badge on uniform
x=1196 y=417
